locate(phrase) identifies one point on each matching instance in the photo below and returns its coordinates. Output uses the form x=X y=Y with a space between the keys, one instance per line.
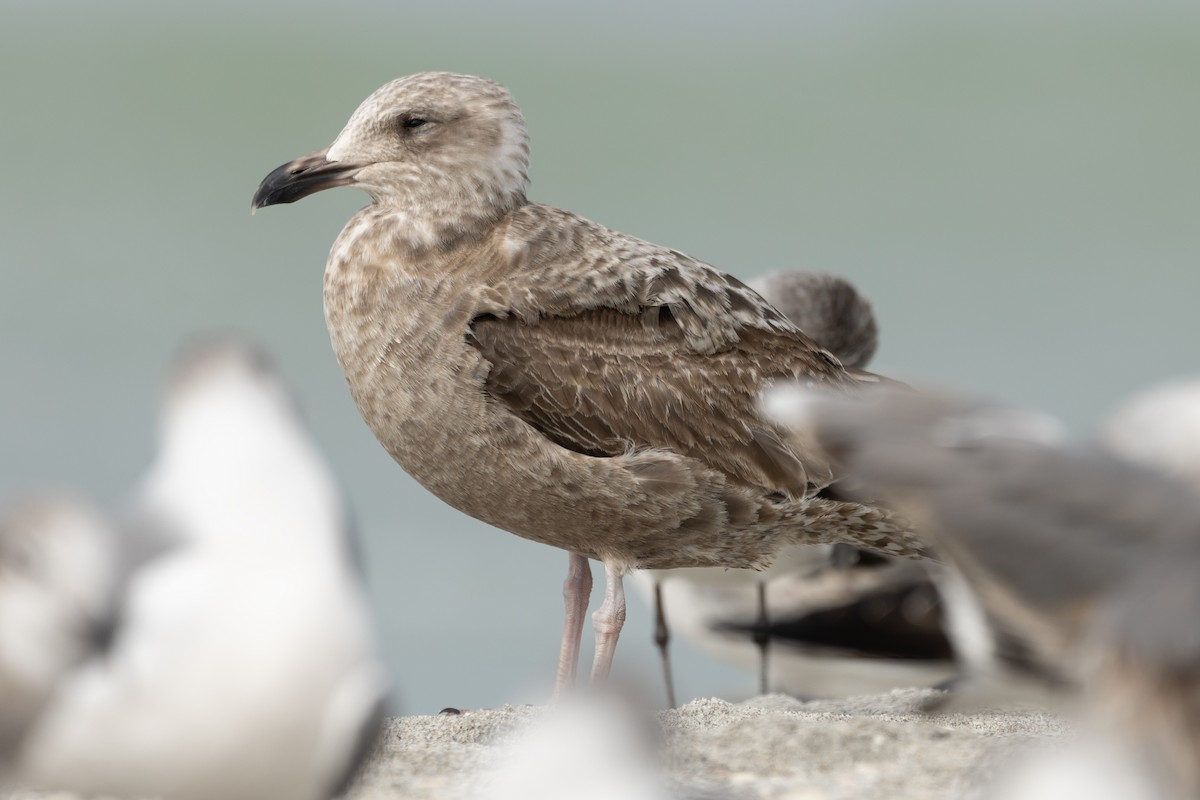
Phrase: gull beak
x=300 y=178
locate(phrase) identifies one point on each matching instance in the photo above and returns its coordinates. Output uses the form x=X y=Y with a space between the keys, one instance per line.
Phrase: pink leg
x=577 y=590
x=608 y=620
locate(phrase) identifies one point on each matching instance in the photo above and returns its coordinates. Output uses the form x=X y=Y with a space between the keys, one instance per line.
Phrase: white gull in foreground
x=587 y=748
x=244 y=664
x=1079 y=566
x=58 y=568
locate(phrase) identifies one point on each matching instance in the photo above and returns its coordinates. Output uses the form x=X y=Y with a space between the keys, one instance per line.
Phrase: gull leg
x=662 y=637
x=608 y=620
x=762 y=636
x=577 y=590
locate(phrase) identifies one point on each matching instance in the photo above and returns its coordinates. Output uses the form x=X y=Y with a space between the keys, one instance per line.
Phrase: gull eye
x=414 y=122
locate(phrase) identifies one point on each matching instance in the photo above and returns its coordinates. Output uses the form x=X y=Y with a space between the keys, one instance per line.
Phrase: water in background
x=1015 y=187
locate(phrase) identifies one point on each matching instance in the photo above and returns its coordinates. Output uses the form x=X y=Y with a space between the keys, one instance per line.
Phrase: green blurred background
x=1016 y=186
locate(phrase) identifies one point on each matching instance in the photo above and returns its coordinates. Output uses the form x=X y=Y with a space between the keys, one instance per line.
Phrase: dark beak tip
x=297 y=179
x=258 y=201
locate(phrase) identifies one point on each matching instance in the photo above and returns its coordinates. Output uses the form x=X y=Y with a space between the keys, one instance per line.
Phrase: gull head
x=235 y=461
x=434 y=143
x=222 y=378
x=227 y=421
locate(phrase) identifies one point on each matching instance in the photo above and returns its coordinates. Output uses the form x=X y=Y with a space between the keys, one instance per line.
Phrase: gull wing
x=603 y=383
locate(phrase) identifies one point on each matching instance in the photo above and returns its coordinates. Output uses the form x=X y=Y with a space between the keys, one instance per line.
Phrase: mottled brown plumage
x=557 y=379
x=600 y=383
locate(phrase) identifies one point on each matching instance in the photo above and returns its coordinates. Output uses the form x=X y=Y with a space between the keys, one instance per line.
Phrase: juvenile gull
x=58 y=566
x=847 y=622
x=559 y=380
x=244 y=663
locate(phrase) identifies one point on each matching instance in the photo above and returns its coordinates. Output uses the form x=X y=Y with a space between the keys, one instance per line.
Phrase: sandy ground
x=768 y=747
x=772 y=747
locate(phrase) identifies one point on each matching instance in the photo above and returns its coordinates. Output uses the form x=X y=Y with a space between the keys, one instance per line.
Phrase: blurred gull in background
x=846 y=621
x=828 y=308
x=861 y=624
x=244 y=662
